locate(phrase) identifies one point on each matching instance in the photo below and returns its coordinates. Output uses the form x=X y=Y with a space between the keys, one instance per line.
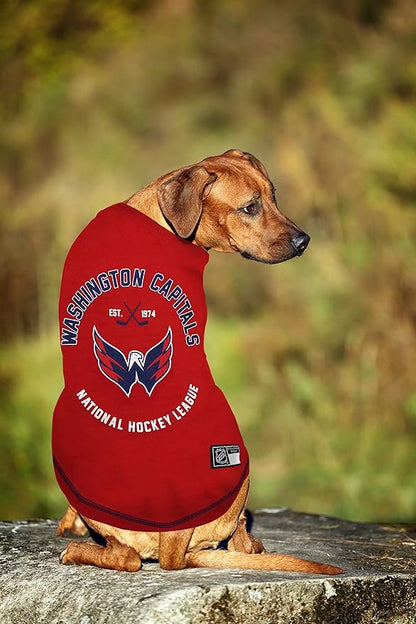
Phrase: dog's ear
x=180 y=198
x=247 y=156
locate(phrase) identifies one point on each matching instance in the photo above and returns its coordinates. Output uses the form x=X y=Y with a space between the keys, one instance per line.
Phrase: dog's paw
x=62 y=557
x=65 y=557
x=256 y=544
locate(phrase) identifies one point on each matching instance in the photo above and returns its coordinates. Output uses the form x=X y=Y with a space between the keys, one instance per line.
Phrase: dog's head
x=228 y=203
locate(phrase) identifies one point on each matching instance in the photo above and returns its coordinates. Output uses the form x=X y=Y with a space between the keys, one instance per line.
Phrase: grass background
x=316 y=356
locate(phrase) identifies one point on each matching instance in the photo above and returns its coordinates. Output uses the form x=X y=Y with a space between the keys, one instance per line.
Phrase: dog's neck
x=145 y=200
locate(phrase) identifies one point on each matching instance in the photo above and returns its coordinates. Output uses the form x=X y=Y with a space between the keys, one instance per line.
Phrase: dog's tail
x=263 y=561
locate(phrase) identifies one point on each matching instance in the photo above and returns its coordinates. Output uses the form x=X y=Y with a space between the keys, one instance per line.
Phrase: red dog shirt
x=142 y=437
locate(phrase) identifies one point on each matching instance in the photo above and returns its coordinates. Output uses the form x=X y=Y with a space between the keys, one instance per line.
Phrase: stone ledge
x=379 y=586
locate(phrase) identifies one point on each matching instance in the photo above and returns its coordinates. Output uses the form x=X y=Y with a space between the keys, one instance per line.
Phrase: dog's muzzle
x=300 y=242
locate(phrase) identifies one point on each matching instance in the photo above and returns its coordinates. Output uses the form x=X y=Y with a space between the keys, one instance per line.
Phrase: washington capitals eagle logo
x=147 y=369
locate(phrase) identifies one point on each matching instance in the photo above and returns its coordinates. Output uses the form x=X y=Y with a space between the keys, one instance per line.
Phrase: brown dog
x=225 y=203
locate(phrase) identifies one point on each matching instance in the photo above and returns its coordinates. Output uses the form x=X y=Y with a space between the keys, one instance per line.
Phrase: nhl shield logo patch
x=225 y=455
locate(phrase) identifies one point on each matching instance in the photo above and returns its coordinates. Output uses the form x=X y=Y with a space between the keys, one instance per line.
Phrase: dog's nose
x=300 y=242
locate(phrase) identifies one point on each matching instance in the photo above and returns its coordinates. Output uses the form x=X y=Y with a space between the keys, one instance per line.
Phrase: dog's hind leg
x=114 y=555
x=72 y=522
x=242 y=541
x=245 y=552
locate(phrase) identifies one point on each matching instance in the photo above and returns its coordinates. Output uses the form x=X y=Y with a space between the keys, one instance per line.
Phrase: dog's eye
x=250 y=209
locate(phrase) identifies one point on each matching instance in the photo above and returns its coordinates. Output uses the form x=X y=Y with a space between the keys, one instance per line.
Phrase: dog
x=224 y=203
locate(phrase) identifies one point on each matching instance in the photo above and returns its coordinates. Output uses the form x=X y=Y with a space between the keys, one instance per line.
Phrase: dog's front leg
x=172 y=548
x=113 y=556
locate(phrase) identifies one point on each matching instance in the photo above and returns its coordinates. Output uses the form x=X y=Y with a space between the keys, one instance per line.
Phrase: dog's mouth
x=279 y=251
x=276 y=260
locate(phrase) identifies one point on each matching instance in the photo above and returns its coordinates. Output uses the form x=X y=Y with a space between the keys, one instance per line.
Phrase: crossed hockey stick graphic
x=132 y=316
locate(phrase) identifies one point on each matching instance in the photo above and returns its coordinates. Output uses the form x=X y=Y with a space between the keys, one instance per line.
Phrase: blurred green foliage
x=316 y=356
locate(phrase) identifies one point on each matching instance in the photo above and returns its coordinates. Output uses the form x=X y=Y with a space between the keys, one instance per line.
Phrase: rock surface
x=379 y=586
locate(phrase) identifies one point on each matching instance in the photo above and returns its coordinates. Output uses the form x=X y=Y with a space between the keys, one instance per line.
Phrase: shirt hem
x=101 y=513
